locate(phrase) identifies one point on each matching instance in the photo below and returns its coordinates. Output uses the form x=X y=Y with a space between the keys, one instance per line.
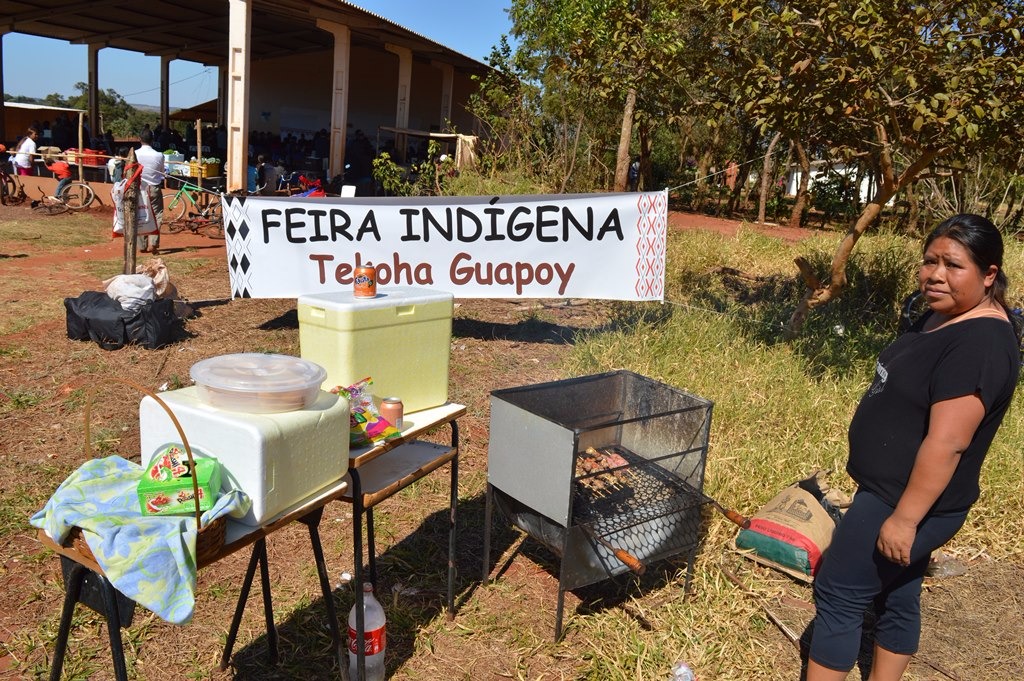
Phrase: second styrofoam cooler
x=278 y=459
x=401 y=339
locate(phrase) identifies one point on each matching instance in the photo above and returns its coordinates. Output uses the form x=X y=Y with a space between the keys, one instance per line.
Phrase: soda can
x=392 y=409
x=365 y=281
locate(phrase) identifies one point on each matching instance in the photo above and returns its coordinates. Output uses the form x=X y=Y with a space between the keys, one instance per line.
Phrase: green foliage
x=430 y=177
x=119 y=117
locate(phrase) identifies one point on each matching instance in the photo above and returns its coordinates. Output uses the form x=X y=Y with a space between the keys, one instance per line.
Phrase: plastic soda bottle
x=374 y=640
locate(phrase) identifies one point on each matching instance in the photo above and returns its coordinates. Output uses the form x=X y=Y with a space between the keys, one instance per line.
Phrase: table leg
x=268 y=607
x=259 y=556
x=114 y=628
x=371 y=548
x=453 y=506
x=72 y=588
x=72 y=596
x=488 y=500
x=312 y=521
x=357 y=549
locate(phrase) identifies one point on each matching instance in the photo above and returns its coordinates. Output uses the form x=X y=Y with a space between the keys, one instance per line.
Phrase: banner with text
x=609 y=246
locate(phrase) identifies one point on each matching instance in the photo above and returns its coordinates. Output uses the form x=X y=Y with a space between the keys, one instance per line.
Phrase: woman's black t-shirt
x=976 y=356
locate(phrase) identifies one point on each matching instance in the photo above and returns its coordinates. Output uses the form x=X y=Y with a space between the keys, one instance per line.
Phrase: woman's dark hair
x=982 y=240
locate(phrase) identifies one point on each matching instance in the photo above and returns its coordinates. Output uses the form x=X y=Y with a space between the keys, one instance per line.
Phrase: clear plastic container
x=258 y=383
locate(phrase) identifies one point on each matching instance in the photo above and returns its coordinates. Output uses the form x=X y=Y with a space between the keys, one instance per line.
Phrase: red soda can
x=365 y=281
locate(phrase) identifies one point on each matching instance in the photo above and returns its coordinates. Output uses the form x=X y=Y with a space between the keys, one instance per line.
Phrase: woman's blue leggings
x=855 y=576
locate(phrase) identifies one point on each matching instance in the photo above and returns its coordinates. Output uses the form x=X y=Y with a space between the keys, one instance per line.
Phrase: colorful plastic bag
x=366 y=426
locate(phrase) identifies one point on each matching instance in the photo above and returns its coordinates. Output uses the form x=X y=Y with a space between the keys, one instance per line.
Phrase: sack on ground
x=791 y=530
x=132 y=291
x=97 y=317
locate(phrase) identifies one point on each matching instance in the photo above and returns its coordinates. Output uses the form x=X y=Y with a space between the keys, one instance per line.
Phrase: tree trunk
x=703 y=167
x=129 y=206
x=819 y=294
x=646 y=145
x=805 y=181
x=625 y=136
x=766 y=178
x=742 y=174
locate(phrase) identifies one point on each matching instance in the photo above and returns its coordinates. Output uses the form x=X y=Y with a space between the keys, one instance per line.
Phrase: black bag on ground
x=96 y=316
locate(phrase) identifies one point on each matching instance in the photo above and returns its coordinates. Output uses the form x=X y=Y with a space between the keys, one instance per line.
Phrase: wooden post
x=199 y=151
x=81 y=146
x=129 y=206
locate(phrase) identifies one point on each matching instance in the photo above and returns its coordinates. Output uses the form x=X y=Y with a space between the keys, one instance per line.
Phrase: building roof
x=197 y=30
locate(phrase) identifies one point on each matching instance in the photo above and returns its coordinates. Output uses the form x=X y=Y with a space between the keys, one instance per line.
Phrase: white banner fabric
x=608 y=246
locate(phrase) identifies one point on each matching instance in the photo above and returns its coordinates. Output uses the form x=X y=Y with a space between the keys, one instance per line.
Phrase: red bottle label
x=373 y=641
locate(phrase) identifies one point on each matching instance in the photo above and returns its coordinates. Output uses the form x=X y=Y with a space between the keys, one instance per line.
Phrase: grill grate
x=639 y=506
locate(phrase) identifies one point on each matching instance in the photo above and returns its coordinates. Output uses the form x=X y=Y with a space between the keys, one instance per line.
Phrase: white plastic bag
x=132 y=291
x=145 y=218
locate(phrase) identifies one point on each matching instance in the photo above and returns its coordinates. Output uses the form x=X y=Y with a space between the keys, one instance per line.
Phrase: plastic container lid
x=259 y=382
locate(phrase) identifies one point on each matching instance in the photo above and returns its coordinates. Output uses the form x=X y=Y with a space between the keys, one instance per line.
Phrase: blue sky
x=36 y=67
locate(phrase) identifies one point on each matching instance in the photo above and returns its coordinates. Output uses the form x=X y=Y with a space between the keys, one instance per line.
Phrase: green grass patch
x=57 y=232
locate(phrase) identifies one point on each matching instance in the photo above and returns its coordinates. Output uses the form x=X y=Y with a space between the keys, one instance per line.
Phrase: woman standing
x=917 y=442
x=26 y=149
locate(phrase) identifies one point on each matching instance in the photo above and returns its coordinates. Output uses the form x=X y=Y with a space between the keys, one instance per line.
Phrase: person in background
x=152 y=162
x=634 y=175
x=24 y=151
x=115 y=166
x=60 y=168
x=917 y=442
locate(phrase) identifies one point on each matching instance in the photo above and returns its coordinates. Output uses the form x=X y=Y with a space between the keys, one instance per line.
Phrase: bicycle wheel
x=50 y=206
x=12 y=193
x=173 y=227
x=77 y=196
x=214 y=229
x=174 y=207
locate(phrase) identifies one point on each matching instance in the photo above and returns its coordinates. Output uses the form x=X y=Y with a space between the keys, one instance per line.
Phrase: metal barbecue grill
x=607 y=471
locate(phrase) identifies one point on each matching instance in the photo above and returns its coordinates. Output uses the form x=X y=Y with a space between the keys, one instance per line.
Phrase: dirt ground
x=496 y=344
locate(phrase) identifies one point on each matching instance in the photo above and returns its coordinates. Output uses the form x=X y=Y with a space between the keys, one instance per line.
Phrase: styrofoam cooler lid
x=387 y=296
x=257 y=372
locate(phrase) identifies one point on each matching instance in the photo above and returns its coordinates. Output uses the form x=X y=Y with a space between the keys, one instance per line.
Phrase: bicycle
x=48 y=205
x=177 y=203
x=12 y=191
x=77 y=195
x=212 y=226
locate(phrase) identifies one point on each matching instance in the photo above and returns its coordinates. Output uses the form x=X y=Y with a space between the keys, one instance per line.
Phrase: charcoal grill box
x=401 y=339
x=277 y=459
x=539 y=433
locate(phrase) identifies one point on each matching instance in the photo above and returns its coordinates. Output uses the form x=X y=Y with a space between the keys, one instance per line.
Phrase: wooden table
x=375 y=474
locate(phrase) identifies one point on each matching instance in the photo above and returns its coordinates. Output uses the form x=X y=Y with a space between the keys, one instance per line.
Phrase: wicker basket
x=209 y=538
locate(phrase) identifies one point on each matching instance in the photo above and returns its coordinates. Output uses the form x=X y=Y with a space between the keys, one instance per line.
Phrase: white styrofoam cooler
x=277 y=459
x=401 y=339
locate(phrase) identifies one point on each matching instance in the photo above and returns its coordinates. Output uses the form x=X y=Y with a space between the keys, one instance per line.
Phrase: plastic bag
x=131 y=290
x=145 y=217
x=366 y=426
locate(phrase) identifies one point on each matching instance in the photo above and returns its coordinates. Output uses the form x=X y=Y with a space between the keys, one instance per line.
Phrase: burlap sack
x=793 y=530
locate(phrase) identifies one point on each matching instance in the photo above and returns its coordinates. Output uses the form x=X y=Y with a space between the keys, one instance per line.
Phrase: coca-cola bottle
x=374 y=640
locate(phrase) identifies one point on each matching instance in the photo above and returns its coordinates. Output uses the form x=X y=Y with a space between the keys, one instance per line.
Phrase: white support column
x=240 y=23
x=94 y=91
x=404 y=92
x=165 y=90
x=447 y=85
x=339 y=93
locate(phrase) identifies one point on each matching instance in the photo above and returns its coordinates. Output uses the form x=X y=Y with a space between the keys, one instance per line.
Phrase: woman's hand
x=895 y=538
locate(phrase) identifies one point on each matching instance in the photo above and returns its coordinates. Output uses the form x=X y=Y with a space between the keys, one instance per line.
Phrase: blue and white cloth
x=150 y=559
